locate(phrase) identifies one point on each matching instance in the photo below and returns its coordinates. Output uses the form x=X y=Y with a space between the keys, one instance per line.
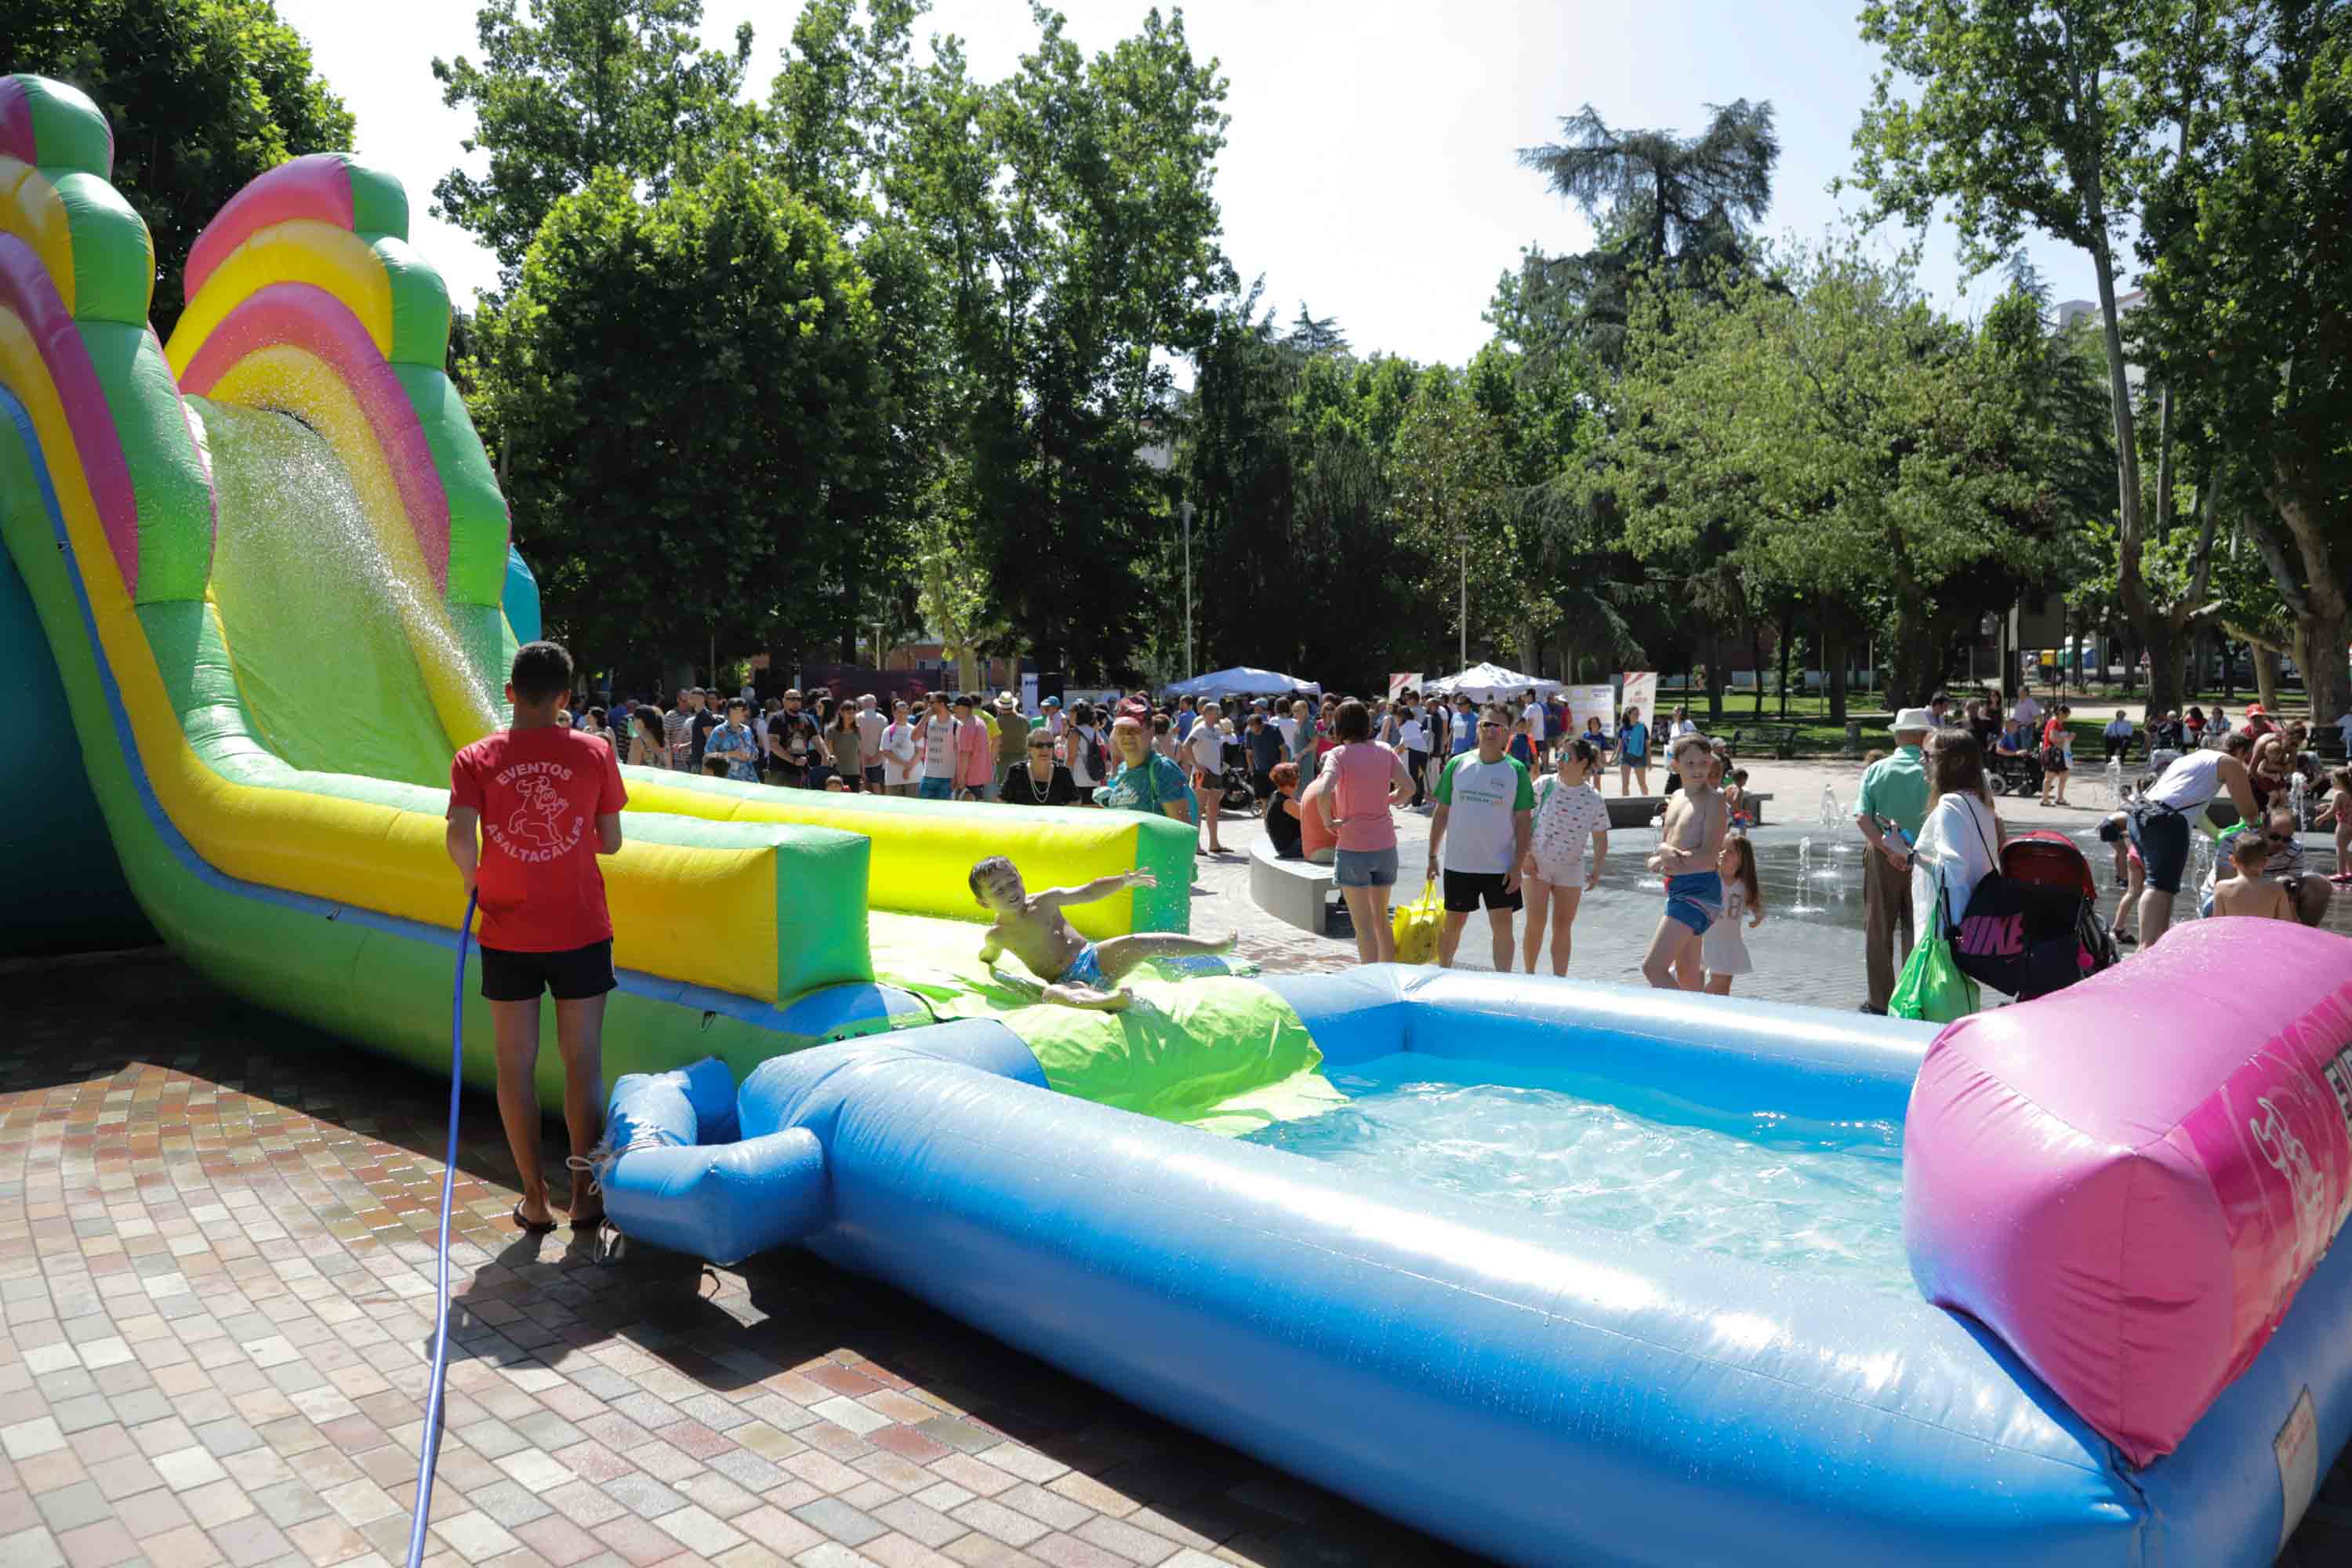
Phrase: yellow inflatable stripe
x=293 y=381
x=666 y=899
x=920 y=863
x=30 y=209
x=300 y=250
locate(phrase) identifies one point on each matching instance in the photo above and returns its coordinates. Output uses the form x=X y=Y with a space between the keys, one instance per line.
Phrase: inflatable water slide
x=1565 y=1273
x=263 y=572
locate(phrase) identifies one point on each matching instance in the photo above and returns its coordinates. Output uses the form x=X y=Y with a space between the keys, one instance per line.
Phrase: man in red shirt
x=546 y=801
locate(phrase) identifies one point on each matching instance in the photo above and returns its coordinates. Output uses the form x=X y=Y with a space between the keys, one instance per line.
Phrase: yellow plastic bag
x=1416 y=926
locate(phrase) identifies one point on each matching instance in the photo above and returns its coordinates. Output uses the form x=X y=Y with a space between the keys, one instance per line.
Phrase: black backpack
x=1097 y=760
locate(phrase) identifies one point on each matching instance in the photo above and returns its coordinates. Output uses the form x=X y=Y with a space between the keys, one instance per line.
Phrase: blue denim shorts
x=1365 y=868
x=1695 y=899
x=937 y=789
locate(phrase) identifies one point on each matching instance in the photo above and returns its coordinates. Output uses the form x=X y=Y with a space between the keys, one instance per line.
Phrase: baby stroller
x=1239 y=794
x=2057 y=897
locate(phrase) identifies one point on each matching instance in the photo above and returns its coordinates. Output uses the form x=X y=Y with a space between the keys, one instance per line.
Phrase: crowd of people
x=1514 y=790
x=1929 y=813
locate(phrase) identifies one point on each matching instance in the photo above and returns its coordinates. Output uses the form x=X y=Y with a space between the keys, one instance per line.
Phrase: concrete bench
x=1296 y=892
x=1635 y=810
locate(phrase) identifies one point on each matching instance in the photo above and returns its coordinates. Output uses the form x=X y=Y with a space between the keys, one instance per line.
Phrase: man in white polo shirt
x=1486 y=802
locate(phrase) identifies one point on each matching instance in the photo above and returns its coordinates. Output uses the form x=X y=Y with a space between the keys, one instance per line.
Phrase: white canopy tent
x=1243 y=681
x=1490 y=683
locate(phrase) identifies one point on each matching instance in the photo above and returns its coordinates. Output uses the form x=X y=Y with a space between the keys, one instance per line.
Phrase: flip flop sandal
x=529 y=1227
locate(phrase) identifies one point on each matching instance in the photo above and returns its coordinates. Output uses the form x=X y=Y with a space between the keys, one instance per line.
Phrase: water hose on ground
x=428 y=1453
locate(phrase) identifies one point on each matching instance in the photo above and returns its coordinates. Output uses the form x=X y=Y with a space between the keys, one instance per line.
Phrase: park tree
x=1069 y=213
x=1281 y=455
x=1825 y=433
x=565 y=87
x=2249 y=309
x=1450 y=498
x=2029 y=114
x=686 y=388
x=203 y=95
x=1662 y=204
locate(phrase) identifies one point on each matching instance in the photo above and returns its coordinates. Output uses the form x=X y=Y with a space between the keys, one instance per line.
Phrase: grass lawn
x=1817 y=736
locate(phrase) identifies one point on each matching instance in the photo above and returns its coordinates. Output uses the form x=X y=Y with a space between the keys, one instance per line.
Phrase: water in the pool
x=1828 y=1201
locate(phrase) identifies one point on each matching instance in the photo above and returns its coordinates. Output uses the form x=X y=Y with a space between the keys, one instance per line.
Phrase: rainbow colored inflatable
x=269 y=563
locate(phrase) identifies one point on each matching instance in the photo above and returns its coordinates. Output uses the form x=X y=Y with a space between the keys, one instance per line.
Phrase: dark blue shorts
x=2161 y=836
x=1695 y=899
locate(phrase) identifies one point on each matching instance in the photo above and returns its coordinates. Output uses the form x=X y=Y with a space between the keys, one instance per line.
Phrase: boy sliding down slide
x=1078 y=973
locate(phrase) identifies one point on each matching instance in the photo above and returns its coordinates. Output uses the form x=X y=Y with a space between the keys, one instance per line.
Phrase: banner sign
x=1591 y=702
x=1410 y=680
x=1642 y=692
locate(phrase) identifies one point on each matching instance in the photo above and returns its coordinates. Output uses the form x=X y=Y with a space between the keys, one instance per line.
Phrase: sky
x=1370 y=167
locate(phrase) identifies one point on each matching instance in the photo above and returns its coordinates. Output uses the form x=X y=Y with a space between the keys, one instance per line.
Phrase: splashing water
x=1650 y=882
x=2115 y=782
x=2296 y=787
x=330 y=634
x=2201 y=866
x=1831 y=814
x=1804 y=876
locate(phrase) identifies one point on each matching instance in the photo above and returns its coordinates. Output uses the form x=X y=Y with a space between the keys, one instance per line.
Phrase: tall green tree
x=686 y=389
x=203 y=96
x=1069 y=211
x=2027 y=114
x=1660 y=202
x=1450 y=496
x=569 y=87
x=1824 y=432
x=2248 y=306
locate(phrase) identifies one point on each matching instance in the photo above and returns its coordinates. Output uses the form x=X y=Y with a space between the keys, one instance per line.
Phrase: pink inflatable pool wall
x=2128 y=1180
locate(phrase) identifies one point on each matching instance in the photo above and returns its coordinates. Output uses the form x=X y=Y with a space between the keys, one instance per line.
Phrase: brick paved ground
x=216 y=1277
x=216 y=1289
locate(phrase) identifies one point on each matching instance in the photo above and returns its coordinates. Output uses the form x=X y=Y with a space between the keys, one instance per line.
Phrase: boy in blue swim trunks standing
x=1689 y=842
x=1077 y=973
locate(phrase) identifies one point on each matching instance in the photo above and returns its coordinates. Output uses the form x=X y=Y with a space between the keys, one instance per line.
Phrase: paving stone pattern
x=217 y=1277
x=217 y=1290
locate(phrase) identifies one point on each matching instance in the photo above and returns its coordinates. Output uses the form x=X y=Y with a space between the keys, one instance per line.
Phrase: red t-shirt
x=539 y=793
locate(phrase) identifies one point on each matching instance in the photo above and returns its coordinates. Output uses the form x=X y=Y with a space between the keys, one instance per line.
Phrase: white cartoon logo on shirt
x=541 y=828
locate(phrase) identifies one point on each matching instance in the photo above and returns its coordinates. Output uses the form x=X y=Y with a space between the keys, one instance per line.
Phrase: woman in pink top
x=1365 y=779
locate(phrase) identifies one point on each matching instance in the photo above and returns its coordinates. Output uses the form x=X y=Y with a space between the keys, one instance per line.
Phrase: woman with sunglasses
x=1039 y=780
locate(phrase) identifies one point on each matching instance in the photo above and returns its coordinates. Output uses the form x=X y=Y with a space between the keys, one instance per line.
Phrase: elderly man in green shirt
x=1896 y=789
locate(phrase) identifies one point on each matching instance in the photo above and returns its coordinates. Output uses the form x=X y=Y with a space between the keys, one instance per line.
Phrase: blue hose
x=429 y=1451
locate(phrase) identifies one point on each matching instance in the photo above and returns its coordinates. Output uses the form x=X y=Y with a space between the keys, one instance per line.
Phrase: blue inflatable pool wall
x=1532 y=1389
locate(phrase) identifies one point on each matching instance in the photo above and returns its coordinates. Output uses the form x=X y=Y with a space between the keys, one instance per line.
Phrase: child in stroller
x=2058 y=898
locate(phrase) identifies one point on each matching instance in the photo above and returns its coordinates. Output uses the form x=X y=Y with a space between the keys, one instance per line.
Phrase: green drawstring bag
x=1931 y=986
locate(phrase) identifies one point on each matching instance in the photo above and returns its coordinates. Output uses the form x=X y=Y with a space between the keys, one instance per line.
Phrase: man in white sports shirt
x=1486 y=801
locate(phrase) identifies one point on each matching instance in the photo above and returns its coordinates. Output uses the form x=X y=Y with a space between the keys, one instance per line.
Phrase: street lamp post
x=1184 y=510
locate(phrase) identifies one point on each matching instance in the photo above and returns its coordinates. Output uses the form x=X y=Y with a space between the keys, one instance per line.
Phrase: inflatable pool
x=1532 y=1386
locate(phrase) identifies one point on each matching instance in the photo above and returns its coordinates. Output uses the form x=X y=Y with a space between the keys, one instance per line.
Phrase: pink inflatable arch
x=2128 y=1181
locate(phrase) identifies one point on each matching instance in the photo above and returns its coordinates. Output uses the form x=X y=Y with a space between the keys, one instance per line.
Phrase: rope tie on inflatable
x=429 y=1449
x=598 y=1162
